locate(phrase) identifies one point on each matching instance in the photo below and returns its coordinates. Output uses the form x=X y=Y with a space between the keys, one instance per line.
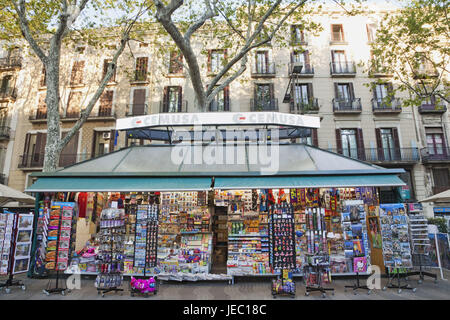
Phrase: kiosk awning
x=119 y=184
x=269 y=182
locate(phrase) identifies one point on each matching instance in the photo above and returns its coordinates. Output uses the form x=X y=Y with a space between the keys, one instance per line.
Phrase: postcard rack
x=317 y=259
x=11 y=244
x=420 y=244
x=357 y=285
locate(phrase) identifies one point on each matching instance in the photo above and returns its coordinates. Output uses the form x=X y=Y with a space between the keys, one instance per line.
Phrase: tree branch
x=25 y=28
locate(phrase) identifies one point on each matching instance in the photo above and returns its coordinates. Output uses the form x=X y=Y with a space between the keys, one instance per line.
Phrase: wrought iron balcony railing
x=347 y=105
x=263 y=105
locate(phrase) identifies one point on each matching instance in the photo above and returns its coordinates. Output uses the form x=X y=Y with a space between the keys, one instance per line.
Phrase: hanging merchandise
x=282 y=237
x=112 y=234
x=316 y=268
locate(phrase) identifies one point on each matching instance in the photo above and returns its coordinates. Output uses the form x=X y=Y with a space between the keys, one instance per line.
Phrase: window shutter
x=26 y=150
x=332 y=55
x=94 y=143
x=39 y=150
x=352 y=91
x=396 y=143
x=209 y=60
x=360 y=144
x=310 y=91
x=307 y=62
x=180 y=99
x=112 y=140
x=380 y=151
x=68 y=154
x=272 y=96
x=166 y=100
x=315 y=138
x=336 y=90
x=338 y=141
x=226 y=98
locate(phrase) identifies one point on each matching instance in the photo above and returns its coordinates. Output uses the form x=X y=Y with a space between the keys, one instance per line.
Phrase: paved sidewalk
x=241 y=290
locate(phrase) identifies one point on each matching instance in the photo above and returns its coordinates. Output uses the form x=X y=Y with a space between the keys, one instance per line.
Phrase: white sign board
x=218 y=118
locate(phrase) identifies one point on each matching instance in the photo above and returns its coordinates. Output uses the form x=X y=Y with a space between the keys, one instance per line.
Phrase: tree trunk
x=52 y=100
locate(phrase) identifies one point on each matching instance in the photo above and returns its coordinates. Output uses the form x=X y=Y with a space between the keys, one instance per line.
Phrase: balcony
x=36 y=161
x=345 y=106
x=263 y=71
x=305 y=107
x=426 y=71
x=166 y=108
x=5 y=132
x=134 y=110
x=10 y=94
x=337 y=38
x=439 y=155
x=215 y=106
x=263 y=105
x=377 y=70
x=343 y=69
x=383 y=155
x=38 y=116
x=386 y=106
x=432 y=108
x=307 y=71
x=10 y=63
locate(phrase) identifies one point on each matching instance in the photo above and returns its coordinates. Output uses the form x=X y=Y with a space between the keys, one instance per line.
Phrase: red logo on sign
x=138 y=121
x=241 y=118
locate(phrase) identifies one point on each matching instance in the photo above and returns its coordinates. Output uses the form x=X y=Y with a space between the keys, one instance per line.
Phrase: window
x=344 y=92
x=41 y=112
x=106 y=64
x=262 y=62
x=106 y=102
x=303 y=59
x=388 y=144
x=339 y=59
x=141 y=69
x=34 y=150
x=77 y=73
x=337 y=33
x=297 y=34
x=216 y=60
x=221 y=101
x=5 y=84
x=311 y=139
x=435 y=141
x=350 y=143
x=172 y=99
x=74 y=105
x=101 y=143
x=69 y=154
x=176 y=62
x=303 y=96
x=139 y=107
x=441 y=179
x=382 y=91
x=264 y=97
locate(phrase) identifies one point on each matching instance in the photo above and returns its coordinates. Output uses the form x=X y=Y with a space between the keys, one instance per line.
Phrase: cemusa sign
x=218 y=118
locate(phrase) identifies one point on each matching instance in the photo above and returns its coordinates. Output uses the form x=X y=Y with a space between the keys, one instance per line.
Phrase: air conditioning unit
x=296 y=67
x=106 y=135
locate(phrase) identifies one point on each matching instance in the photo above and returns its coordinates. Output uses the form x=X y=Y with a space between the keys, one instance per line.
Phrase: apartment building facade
x=355 y=119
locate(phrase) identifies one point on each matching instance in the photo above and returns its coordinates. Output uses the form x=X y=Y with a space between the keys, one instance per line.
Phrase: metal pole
x=438 y=255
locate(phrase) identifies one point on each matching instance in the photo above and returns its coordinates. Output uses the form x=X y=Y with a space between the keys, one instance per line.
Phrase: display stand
x=11 y=282
x=357 y=285
x=282 y=248
x=317 y=259
x=396 y=275
x=420 y=243
x=110 y=275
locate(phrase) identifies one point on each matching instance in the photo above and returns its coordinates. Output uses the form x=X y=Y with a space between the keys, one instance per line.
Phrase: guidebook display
x=394 y=231
x=356 y=245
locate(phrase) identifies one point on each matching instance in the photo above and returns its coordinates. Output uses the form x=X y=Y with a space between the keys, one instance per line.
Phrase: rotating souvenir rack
x=420 y=243
x=112 y=234
x=282 y=255
x=396 y=245
x=146 y=237
x=58 y=241
x=316 y=269
x=15 y=243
